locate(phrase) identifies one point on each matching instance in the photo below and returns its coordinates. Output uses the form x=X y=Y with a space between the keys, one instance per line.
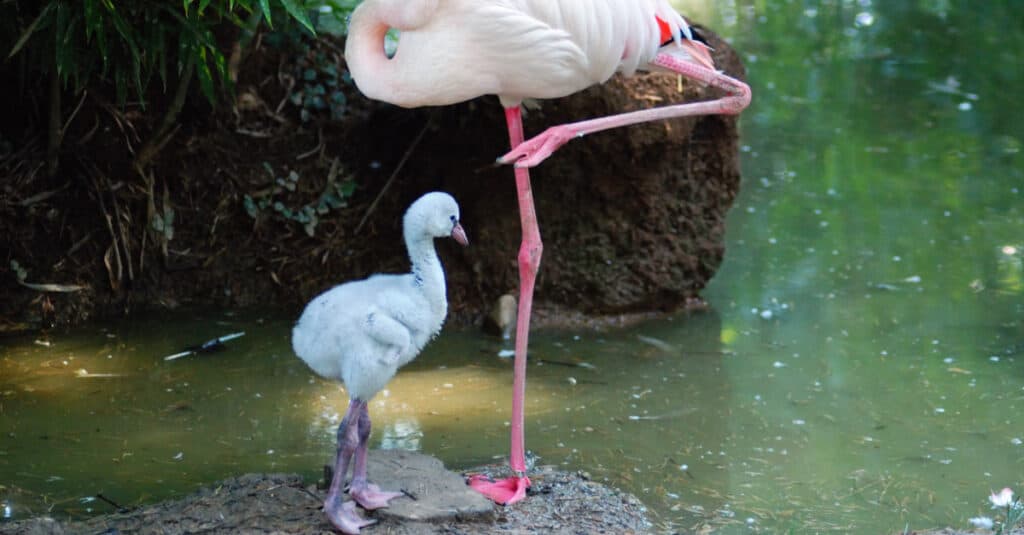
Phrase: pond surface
x=861 y=370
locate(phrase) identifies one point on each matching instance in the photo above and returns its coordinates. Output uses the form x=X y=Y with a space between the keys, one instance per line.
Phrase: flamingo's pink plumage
x=455 y=50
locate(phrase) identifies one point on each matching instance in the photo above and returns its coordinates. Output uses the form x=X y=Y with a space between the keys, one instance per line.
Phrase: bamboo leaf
x=31 y=29
x=299 y=14
x=221 y=65
x=120 y=87
x=92 y=19
x=125 y=31
x=201 y=36
x=265 y=6
x=161 y=55
x=63 y=54
x=205 y=76
x=96 y=27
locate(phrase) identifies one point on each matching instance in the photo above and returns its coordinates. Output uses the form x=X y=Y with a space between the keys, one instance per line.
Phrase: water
x=861 y=369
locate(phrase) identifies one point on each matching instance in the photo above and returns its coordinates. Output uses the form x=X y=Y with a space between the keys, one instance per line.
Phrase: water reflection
x=402 y=434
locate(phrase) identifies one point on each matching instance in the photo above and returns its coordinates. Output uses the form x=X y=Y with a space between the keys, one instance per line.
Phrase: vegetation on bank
x=97 y=89
x=149 y=52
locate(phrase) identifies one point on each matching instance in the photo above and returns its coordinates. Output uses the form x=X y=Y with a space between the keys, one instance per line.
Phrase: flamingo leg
x=513 y=489
x=343 y=514
x=537 y=149
x=366 y=494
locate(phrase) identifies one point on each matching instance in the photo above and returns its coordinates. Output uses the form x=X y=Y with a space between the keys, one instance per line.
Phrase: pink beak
x=460 y=235
x=699 y=52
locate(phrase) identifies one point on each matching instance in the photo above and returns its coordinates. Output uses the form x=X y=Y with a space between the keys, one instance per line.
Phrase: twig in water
x=215 y=344
x=401 y=163
x=111 y=502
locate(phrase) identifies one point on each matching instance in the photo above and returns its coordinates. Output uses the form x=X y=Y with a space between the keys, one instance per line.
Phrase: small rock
x=501 y=320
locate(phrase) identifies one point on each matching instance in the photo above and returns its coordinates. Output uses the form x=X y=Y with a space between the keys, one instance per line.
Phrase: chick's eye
x=453 y=218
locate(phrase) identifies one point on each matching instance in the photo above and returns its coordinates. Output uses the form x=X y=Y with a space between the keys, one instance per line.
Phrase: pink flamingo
x=456 y=50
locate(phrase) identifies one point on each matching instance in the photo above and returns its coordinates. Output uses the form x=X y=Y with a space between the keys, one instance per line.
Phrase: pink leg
x=513 y=489
x=368 y=495
x=343 y=515
x=538 y=148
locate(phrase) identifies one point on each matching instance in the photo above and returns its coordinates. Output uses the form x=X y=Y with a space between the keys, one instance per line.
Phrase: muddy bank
x=559 y=502
x=272 y=202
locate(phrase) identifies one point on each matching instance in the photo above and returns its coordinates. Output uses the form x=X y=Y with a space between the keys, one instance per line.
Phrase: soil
x=632 y=219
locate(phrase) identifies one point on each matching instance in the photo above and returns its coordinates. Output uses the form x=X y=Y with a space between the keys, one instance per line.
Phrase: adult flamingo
x=454 y=50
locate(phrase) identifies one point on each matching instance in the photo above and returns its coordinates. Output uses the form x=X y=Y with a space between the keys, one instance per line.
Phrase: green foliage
x=274 y=200
x=318 y=90
x=318 y=85
x=128 y=44
x=19 y=271
x=163 y=224
x=331 y=16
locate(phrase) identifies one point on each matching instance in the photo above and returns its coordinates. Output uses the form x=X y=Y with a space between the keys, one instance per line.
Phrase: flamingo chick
x=362 y=331
x=455 y=50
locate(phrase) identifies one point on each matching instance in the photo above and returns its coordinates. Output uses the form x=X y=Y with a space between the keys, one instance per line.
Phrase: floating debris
x=660 y=344
x=83 y=373
x=217 y=344
x=982 y=522
x=665 y=416
x=573 y=364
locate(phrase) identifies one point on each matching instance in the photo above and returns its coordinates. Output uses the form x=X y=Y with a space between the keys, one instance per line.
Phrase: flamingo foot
x=371 y=497
x=503 y=492
x=535 y=150
x=344 y=517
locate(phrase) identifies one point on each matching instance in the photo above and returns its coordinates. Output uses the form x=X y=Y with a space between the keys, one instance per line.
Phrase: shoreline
x=439 y=502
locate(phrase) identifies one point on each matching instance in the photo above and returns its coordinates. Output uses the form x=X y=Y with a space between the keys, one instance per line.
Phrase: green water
x=862 y=368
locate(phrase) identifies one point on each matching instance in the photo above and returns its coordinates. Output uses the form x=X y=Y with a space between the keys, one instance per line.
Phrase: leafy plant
x=126 y=45
x=20 y=272
x=335 y=195
x=331 y=16
x=1013 y=509
x=319 y=86
x=130 y=43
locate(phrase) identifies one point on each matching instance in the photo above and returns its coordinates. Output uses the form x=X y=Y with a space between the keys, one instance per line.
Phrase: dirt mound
x=559 y=503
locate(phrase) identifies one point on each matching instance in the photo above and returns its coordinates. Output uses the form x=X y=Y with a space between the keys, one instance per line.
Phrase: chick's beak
x=460 y=235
